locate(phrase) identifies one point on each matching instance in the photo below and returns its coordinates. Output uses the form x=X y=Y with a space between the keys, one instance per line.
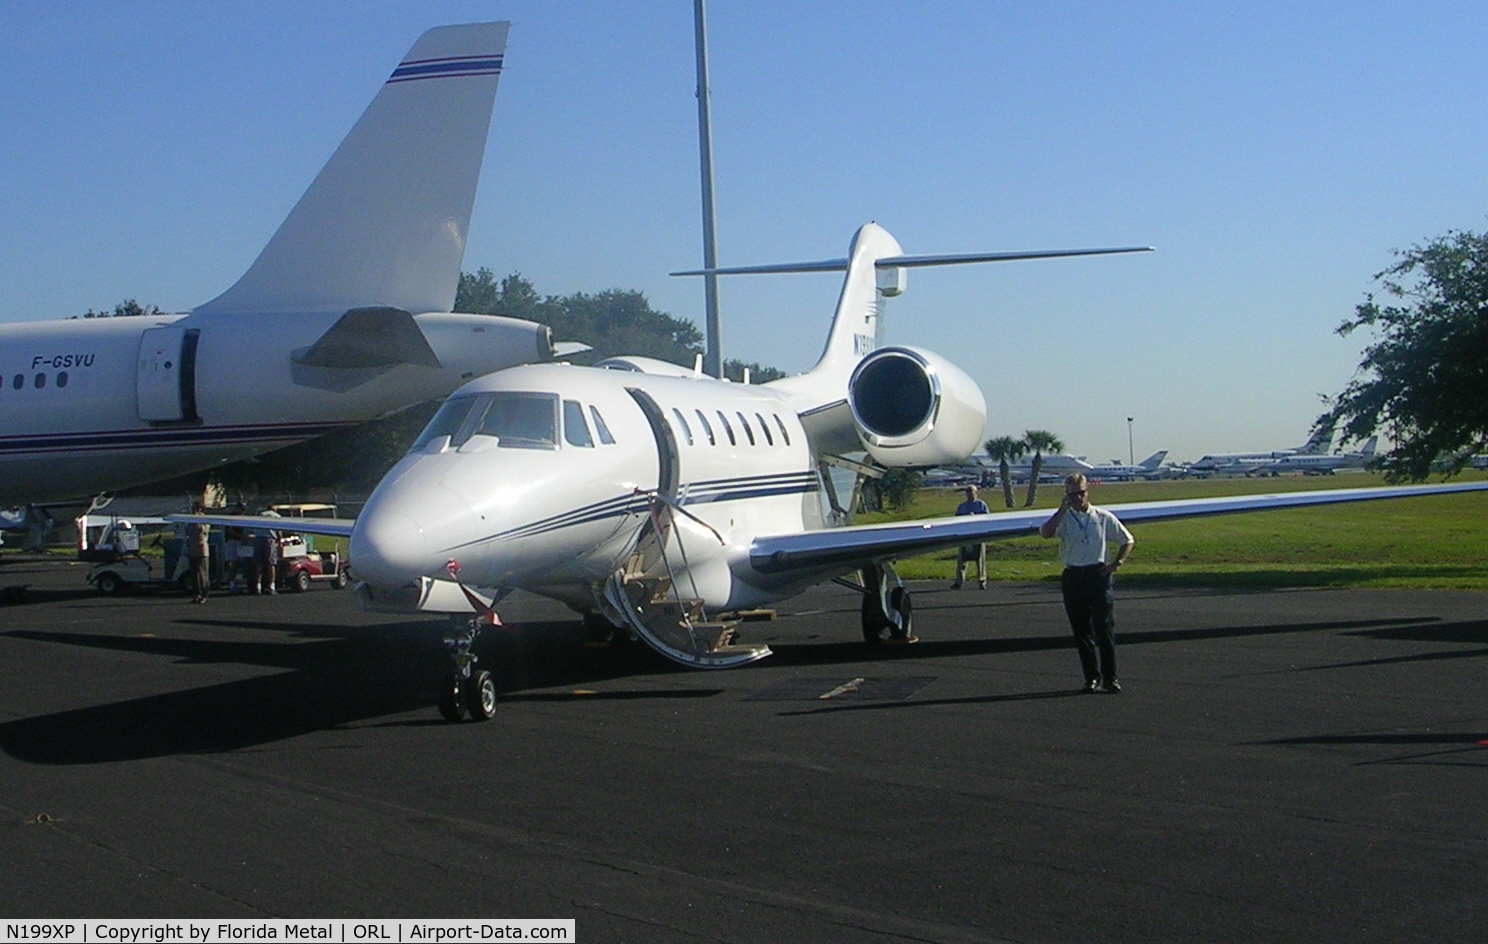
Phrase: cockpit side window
x=575 y=430
x=446 y=422
x=521 y=420
x=600 y=427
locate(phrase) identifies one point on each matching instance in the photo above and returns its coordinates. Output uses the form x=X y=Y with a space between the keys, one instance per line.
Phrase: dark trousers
x=1089 y=602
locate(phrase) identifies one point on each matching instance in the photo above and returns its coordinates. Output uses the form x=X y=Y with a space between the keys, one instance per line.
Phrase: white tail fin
x=1154 y=460
x=1318 y=443
x=384 y=223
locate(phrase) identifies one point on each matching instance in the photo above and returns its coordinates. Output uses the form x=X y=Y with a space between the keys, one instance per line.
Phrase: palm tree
x=1039 y=441
x=1005 y=449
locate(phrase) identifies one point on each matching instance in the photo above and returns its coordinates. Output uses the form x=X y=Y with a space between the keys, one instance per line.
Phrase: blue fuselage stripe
x=163 y=437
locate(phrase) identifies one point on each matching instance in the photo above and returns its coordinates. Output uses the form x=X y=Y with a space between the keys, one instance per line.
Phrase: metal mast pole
x=713 y=356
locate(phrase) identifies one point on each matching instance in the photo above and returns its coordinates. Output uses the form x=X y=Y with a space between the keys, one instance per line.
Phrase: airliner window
x=748 y=430
x=62 y=379
x=522 y=420
x=19 y=381
x=727 y=428
x=765 y=428
x=601 y=428
x=781 y=423
x=575 y=430
x=446 y=422
x=707 y=428
x=682 y=422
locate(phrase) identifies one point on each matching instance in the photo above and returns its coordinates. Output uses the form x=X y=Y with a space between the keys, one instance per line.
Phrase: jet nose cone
x=395 y=542
x=387 y=549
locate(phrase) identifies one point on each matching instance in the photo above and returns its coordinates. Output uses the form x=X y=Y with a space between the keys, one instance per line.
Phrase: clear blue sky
x=1274 y=153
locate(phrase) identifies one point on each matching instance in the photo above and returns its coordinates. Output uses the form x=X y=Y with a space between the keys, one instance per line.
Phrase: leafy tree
x=1039 y=441
x=1424 y=382
x=897 y=486
x=1006 y=449
x=612 y=322
x=129 y=308
x=734 y=370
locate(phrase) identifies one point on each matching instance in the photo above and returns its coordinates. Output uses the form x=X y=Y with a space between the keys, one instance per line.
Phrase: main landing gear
x=888 y=612
x=465 y=689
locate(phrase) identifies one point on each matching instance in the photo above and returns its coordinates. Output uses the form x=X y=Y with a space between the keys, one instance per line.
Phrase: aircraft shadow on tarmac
x=346 y=677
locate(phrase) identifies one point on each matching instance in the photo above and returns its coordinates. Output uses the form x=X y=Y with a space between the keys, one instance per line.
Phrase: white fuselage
x=558 y=510
x=93 y=405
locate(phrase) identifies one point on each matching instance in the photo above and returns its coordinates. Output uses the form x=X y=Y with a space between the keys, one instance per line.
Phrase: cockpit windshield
x=521 y=420
x=517 y=420
x=446 y=422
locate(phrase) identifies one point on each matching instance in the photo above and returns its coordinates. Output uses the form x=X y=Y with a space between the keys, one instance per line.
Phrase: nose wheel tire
x=451 y=705
x=480 y=696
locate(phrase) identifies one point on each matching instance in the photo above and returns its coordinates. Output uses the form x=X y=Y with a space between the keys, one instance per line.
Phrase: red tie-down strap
x=483 y=611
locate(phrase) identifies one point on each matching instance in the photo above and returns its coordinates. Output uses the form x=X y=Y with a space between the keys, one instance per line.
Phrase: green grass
x=1437 y=542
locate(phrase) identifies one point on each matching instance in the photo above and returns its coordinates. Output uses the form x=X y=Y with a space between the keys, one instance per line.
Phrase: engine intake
x=913 y=408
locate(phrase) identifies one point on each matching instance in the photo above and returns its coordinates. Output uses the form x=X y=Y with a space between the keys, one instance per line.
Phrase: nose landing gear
x=466 y=690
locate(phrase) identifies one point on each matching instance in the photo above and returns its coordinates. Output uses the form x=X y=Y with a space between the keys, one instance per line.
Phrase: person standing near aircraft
x=972 y=553
x=196 y=553
x=266 y=557
x=1084 y=533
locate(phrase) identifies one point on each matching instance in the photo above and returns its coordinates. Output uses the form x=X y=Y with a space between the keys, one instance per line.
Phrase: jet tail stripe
x=446 y=68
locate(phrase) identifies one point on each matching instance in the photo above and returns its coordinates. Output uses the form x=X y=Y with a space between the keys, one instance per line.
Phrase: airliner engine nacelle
x=913 y=408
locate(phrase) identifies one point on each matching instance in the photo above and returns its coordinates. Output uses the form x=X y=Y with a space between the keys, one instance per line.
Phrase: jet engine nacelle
x=913 y=408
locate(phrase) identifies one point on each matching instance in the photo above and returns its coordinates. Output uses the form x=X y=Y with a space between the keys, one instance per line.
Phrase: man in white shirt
x=1085 y=533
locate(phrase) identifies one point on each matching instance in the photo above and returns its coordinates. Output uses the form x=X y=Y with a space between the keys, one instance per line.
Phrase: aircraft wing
x=333 y=527
x=859 y=544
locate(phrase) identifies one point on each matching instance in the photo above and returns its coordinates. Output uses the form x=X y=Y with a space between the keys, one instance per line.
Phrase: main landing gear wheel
x=888 y=610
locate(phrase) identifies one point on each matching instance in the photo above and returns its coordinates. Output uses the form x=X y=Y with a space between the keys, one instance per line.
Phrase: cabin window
x=728 y=429
x=446 y=422
x=40 y=381
x=781 y=423
x=62 y=379
x=707 y=427
x=575 y=430
x=19 y=381
x=522 y=420
x=600 y=427
x=682 y=422
x=748 y=430
x=765 y=428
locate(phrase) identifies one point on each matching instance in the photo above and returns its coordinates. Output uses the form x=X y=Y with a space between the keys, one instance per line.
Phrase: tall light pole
x=713 y=354
x=1131 y=454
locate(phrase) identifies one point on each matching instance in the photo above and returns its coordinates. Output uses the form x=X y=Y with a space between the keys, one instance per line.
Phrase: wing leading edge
x=860 y=544
x=332 y=527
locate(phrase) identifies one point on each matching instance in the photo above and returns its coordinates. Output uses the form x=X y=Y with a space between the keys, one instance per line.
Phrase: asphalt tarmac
x=1282 y=766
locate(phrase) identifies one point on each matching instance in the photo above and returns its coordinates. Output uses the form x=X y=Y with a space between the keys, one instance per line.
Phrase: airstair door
x=165 y=385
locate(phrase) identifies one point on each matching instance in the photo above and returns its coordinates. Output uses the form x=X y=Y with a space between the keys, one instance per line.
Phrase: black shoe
x=1092 y=685
x=1113 y=687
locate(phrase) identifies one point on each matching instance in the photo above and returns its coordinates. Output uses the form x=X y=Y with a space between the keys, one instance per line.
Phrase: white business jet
x=1121 y=472
x=651 y=498
x=343 y=318
x=1246 y=462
